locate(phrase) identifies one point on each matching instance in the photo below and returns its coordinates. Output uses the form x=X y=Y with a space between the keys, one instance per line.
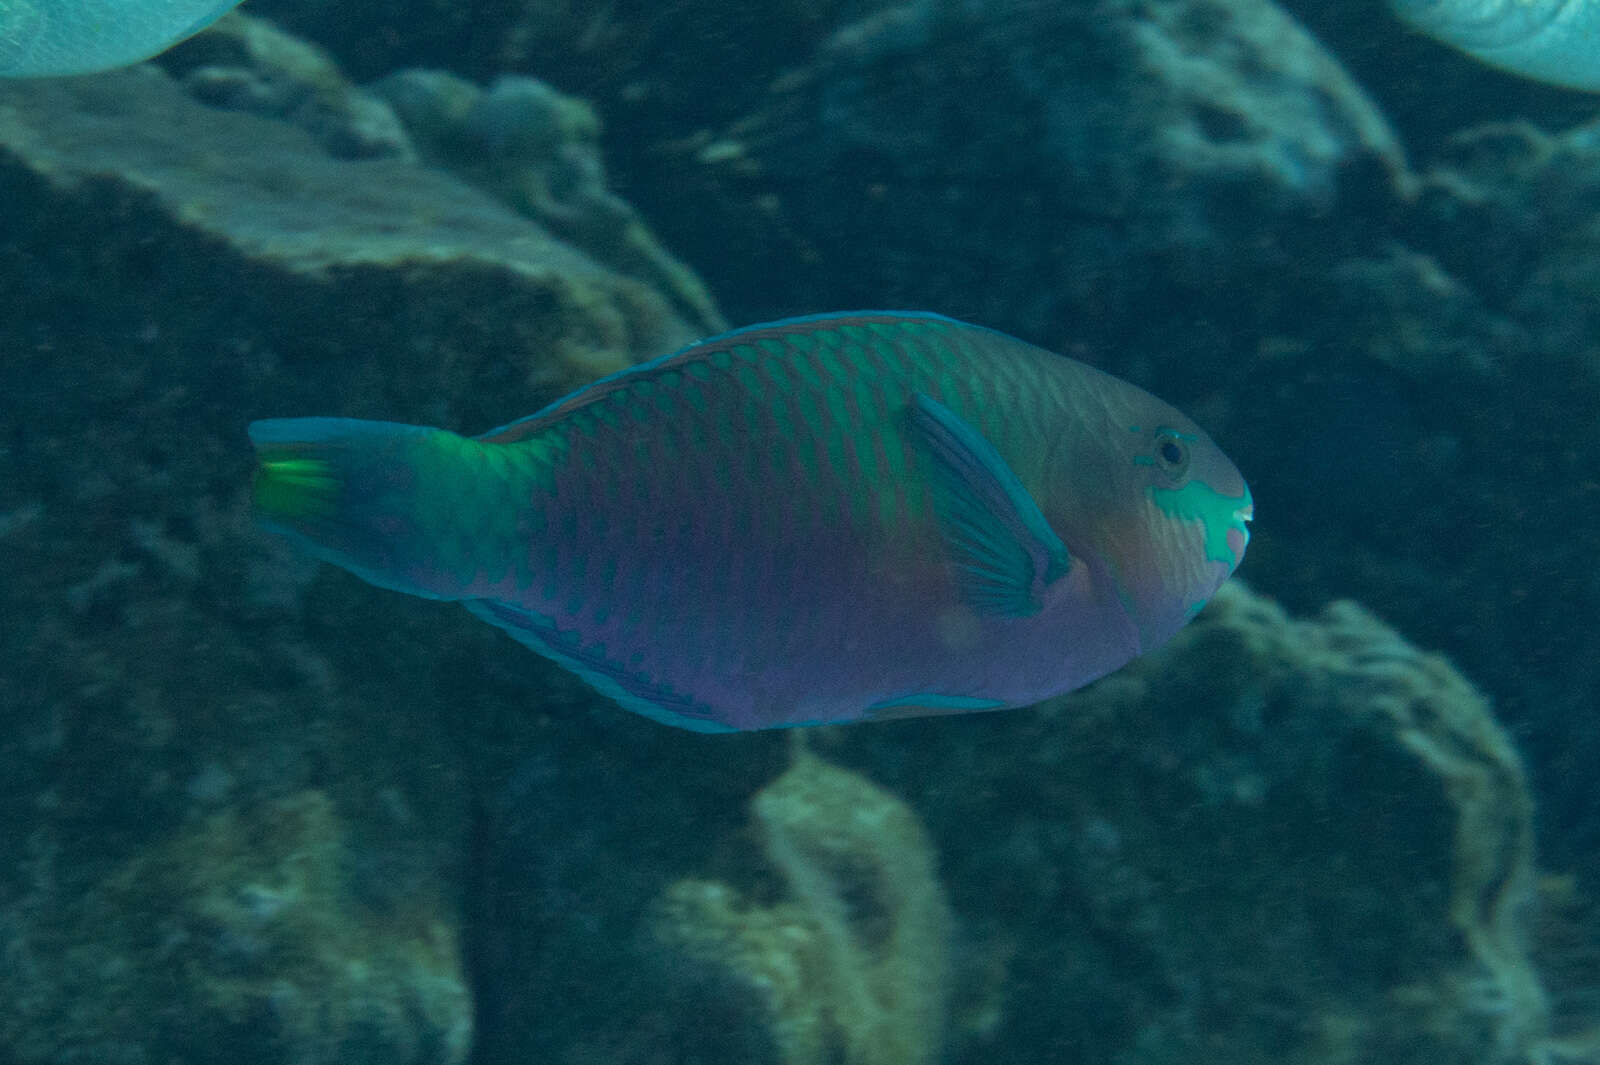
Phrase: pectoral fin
x=1004 y=551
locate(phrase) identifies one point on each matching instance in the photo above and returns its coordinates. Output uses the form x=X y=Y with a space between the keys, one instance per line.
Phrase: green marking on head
x=293 y=488
x=1218 y=513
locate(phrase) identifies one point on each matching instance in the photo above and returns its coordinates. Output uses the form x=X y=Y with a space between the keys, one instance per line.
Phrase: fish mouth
x=1240 y=527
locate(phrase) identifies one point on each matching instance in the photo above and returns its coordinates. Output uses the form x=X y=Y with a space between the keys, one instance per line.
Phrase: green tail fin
x=289 y=488
x=348 y=492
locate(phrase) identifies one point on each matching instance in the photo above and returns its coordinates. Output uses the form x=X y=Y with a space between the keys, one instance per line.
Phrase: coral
x=177 y=696
x=1489 y=1000
x=1318 y=831
x=240 y=931
x=1276 y=840
x=385 y=258
x=248 y=64
x=854 y=967
x=538 y=150
x=1073 y=173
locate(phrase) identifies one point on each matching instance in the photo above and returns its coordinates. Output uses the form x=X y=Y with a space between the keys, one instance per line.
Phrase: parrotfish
x=49 y=38
x=817 y=520
x=1553 y=41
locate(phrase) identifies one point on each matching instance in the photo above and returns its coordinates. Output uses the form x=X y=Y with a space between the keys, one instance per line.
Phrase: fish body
x=817 y=520
x=49 y=38
x=1553 y=41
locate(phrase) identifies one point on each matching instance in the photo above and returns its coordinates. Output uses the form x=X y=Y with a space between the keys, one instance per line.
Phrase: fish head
x=1175 y=519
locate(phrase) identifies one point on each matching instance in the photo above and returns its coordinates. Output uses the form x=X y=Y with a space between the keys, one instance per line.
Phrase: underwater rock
x=1274 y=840
x=1123 y=170
x=1125 y=177
x=327 y=237
x=248 y=64
x=238 y=932
x=539 y=151
x=527 y=145
x=173 y=684
x=695 y=62
x=853 y=968
x=1467 y=485
x=1509 y=210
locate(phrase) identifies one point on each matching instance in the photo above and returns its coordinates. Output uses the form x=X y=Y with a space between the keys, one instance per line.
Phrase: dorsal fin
x=700 y=350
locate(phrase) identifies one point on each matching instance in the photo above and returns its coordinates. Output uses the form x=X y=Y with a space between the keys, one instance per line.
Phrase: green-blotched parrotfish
x=49 y=38
x=818 y=520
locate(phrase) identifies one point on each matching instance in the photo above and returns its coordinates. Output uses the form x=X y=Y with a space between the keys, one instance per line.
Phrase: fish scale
x=822 y=519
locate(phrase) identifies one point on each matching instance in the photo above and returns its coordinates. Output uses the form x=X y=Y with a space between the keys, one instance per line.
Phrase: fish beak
x=1241 y=527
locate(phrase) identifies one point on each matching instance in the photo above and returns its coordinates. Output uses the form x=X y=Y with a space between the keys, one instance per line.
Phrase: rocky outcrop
x=228 y=840
x=854 y=965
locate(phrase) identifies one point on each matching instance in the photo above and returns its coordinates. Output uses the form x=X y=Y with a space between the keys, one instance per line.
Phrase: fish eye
x=1171 y=453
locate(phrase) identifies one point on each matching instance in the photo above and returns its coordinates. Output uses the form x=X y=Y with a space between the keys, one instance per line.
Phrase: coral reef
x=240 y=931
x=239 y=195
x=1274 y=840
x=539 y=151
x=237 y=813
x=240 y=808
x=245 y=63
x=1198 y=195
x=853 y=968
x=1443 y=406
x=1057 y=170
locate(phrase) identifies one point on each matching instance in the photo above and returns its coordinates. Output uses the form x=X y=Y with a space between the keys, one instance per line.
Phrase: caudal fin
x=354 y=493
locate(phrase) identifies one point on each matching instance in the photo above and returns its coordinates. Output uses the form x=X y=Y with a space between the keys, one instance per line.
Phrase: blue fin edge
x=992 y=525
x=539 y=633
x=522 y=426
x=932 y=701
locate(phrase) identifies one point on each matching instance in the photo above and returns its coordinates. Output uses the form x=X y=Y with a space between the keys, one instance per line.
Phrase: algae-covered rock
x=398 y=257
x=240 y=930
x=247 y=64
x=1274 y=840
x=235 y=790
x=538 y=150
x=1126 y=175
x=854 y=966
x=1425 y=435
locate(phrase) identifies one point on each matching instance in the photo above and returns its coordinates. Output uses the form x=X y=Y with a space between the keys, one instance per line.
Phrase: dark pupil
x=1171 y=453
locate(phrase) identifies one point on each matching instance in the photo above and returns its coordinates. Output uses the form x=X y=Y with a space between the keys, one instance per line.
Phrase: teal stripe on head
x=1218 y=513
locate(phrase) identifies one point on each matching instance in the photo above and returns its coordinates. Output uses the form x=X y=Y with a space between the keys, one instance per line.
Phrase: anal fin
x=610 y=678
